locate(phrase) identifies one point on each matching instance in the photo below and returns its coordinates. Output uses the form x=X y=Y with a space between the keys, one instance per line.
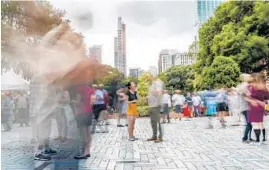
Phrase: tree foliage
x=113 y=76
x=224 y=71
x=180 y=77
x=239 y=30
x=24 y=23
x=129 y=79
x=144 y=82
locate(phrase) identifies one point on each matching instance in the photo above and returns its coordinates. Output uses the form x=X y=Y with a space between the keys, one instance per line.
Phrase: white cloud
x=150 y=26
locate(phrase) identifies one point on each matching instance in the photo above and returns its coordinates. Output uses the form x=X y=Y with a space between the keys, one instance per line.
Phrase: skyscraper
x=96 y=52
x=120 y=47
x=166 y=60
x=183 y=59
x=205 y=9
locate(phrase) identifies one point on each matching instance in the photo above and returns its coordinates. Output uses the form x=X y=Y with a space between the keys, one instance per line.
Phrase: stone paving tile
x=187 y=146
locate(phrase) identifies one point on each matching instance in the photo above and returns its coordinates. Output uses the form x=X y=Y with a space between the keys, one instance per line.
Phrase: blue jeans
x=248 y=128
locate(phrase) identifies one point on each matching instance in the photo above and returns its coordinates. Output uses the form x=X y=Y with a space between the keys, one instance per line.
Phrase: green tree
x=180 y=77
x=162 y=76
x=129 y=79
x=144 y=82
x=238 y=29
x=24 y=22
x=113 y=77
x=223 y=71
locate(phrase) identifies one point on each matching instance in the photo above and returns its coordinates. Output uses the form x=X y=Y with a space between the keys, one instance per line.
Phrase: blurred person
x=210 y=103
x=44 y=109
x=33 y=99
x=104 y=113
x=131 y=99
x=190 y=103
x=196 y=99
x=255 y=98
x=243 y=89
x=69 y=115
x=154 y=102
x=178 y=102
x=166 y=105
x=186 y=111
x=61 y=117
x=22 y=103
x=221 y=105
x=121 y=106
x=97 y=108
x=8 y=108
x=83 y=116
x=6 y=111
x=234 y=104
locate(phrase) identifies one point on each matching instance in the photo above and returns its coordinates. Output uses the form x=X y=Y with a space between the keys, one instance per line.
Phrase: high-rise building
x=166 y=60
x=205 y=9
x=135 y=72
x=120 y=47
x=96 y=52
x=153 y=70
x=183 y=59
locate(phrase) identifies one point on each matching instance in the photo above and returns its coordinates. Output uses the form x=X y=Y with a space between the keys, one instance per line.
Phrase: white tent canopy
x=13 y=81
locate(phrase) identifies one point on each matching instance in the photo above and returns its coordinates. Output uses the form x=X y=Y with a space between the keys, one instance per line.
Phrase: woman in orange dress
x=131 y=112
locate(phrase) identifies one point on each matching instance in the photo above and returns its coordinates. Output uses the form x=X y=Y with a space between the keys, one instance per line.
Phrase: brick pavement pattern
x=187 y=146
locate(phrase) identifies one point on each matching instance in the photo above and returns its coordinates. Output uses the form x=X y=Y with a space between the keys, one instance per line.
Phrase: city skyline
x=150 y=27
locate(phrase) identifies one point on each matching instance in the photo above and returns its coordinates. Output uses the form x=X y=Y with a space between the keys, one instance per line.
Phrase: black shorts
x=222 y=107
x=84 y=119
x=178 y=109
x=97 y=110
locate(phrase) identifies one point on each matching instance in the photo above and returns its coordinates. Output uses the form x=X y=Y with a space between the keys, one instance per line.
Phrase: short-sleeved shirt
x=131 y=96
x=154 y=99
x=189 y=101
x=84 y=105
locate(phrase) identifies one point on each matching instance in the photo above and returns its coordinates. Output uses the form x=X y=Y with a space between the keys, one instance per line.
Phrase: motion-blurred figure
x=178 y=101
x=83 y=116
x=154 y=102
x=256 y=100
x=197 y=101
x=22 y=103
x=7 y=111
x=121 y=106
x=165 y=107
x=242 y=90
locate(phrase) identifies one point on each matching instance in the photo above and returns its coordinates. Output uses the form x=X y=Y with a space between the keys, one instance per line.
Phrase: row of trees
x=234 y=40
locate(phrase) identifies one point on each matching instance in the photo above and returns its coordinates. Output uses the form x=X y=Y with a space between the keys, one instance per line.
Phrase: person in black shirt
x=131 y=112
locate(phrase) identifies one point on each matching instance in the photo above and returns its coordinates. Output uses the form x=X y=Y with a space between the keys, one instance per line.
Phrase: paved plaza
x=187 y=145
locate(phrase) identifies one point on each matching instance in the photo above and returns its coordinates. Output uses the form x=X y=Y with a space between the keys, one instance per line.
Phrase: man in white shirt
x=178 y=102
x=196 y=99
x=154 y=102
x=166 y=105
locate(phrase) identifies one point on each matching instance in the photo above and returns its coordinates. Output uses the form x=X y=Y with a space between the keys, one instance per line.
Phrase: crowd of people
x=249 y=100
x=83 y=110
x=14 y=107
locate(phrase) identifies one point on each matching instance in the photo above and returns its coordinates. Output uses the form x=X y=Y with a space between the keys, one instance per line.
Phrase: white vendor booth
x=11 y=81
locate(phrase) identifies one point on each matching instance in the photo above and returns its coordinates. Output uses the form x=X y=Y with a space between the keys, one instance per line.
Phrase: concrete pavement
x=187 y=145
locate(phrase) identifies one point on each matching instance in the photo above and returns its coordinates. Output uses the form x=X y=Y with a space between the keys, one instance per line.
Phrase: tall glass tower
x=205 y=9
